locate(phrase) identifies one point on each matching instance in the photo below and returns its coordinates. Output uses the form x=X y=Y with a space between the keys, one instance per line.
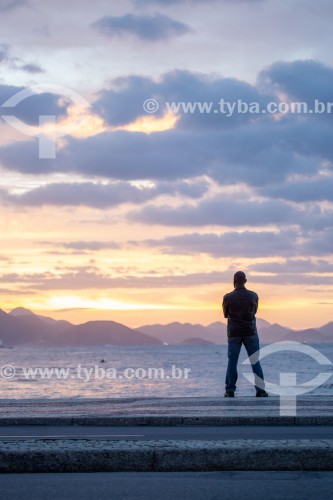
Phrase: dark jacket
x=240 y=307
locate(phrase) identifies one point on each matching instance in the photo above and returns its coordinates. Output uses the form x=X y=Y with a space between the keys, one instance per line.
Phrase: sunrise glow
x=151 y=196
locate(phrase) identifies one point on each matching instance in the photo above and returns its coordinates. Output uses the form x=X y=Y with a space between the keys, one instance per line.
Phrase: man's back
x=240 y=307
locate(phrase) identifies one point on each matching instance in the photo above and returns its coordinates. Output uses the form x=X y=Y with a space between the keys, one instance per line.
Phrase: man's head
x=239 y=278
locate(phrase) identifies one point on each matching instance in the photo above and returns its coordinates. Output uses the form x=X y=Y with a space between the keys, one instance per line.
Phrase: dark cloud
x=32 y=68
x=90 y=245
x=218 y=211
x=7 y=5
x=4 y=52
x=117 y=155
x=167 y=3
x=320 y=242
x=295 y=266
x=31 y=108
x=124 y=101
x=231 y=244
x=255 y=155
x=23 y=156
x=16 y=293
x=101 y=195
x=293 y=279
x=85 y=193
x=279 y=160
x=302 y=80
x=256 y=150
x=302 y=190
x=313 y=220
x=25 y=278
x=17 y=63
x=289 y=243
x=84 y=279
x=148 y=28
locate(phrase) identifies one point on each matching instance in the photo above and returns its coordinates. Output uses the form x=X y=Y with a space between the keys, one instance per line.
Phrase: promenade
x=63 y=442
x=165 y=411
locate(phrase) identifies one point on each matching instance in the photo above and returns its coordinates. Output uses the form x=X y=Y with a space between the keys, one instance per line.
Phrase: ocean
x=149 y=371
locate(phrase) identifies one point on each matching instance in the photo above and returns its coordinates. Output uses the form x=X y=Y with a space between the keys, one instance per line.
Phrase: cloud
x=320 y=242
x=32 y=68
x=7 y=5
x=231 y=244
x=123 y=102
x=117 y=155
x=85 y=193
x=257 y=156
x=148 y=28
x=16 y=62
x=167 y=3
x=256 y=150
x=5 y=292
x=4 y=52
x=295 y=266
x=97 y=195
x=30 y=109
x=293 y=279
x=82 y=279
x=272 y=166
x=302 y=80
x=220 y=212
x=302 y=190
x=229 y=211
x=89 y=245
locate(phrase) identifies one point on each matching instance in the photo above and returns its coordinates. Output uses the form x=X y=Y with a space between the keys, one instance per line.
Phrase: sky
x=149 y=149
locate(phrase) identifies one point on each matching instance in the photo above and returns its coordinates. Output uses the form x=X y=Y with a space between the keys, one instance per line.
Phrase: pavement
x=154 y=433
x=166 y=411
x=80 y=447
x=226 y=485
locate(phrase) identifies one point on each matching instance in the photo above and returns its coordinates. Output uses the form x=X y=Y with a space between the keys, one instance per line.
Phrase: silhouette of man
x=240 y=307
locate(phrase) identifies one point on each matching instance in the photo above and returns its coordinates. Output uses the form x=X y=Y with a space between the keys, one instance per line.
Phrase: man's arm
x=256 y=304
x=225 y=306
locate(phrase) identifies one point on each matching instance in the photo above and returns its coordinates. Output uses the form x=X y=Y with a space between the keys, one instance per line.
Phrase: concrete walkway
x=40 y=454
x=164 y=455
x=165 y=411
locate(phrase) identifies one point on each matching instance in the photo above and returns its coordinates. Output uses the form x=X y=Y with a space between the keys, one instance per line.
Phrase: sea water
x=149 y=371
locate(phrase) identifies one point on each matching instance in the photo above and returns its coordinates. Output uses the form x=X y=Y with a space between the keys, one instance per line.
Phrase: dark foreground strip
x=165 y=455
x=169 y=420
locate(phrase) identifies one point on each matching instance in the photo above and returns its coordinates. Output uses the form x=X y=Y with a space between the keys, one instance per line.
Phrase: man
x=240 y=307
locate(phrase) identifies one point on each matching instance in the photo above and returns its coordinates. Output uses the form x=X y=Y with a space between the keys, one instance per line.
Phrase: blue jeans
x=251 y=344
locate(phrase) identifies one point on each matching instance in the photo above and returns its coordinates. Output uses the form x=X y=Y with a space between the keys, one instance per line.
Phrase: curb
x=85 y=455
x=168 y=420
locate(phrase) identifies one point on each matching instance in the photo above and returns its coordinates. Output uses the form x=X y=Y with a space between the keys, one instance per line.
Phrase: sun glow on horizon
x=76 y=302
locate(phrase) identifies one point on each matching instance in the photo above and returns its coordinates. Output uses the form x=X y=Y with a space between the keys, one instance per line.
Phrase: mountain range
x=23 y=327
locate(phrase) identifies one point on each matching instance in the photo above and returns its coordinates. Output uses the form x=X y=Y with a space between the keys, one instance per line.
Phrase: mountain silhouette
x=327 y=329
x=174 y=333
x=23 y=327
x=104 y=332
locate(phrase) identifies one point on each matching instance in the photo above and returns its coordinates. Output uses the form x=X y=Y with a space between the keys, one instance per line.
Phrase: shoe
x=229 y=394
x=261 y=394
